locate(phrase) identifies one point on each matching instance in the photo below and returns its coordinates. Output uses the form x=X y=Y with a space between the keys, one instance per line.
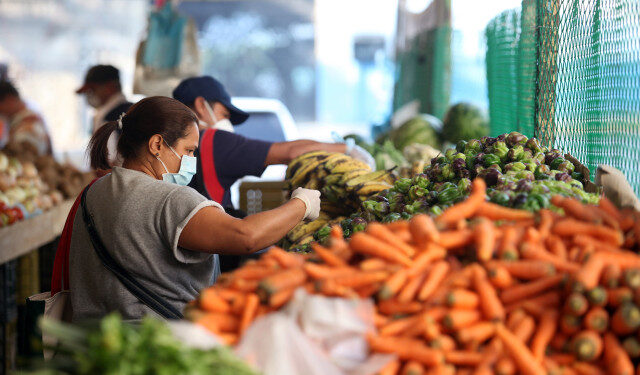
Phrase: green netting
x=511 y=71
x=424 y=72
x=589 y=81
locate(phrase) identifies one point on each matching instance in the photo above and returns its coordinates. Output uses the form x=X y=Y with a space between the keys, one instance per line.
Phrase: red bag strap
x=60 y=274
x=207 y=161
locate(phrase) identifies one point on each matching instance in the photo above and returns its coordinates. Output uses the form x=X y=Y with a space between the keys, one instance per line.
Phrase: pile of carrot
x=481 y=289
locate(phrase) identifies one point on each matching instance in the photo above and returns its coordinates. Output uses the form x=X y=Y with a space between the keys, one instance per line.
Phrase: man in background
x=26 y=128
x=103 y=92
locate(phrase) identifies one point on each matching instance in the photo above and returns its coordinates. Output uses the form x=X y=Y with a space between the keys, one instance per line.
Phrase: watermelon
x=419 y=129
x=464 y=121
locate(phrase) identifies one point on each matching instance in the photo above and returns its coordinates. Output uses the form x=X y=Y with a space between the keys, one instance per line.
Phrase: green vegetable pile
x=114 y=347
x=519 y=173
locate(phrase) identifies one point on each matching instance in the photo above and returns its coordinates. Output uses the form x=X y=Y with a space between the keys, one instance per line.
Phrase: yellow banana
x=372 y=176
x=303 y=159
x=303 y=229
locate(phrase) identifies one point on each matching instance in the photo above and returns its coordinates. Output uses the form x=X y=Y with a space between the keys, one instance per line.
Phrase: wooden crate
x=262 y=195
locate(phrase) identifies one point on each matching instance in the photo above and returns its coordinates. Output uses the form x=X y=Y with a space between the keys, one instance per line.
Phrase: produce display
x=418 y=130
x=344 y=183
x=480 y=289
x=30 y=185
x=518 y=171
x=462 y=122
x=114 y=347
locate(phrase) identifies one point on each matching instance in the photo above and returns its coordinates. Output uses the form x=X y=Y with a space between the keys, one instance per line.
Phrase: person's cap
x=99 y=74
x=211 y=90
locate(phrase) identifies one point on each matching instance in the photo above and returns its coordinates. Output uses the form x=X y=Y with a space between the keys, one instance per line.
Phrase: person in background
x=234 y=156
x=103 y=91
x=26 y=128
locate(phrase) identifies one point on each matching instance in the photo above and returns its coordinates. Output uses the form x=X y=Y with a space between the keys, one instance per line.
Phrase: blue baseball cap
x=211 y=90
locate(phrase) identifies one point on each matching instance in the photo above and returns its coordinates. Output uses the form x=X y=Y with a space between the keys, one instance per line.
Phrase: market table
x=24 y=236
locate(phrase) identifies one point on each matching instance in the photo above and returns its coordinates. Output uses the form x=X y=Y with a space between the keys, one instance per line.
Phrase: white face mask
x=223 y=124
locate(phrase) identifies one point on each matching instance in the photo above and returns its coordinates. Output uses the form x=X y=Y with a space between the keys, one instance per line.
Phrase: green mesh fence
x=568 y=72
x=589 y=81
x=511 y=70
x=424 y=72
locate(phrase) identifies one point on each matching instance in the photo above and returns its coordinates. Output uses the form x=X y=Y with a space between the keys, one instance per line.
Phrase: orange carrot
x=228 y=338
x=545 y=222
x=319 y=271
x=570 y=324
x=619 y=296
x=408 y=293
x=379 y=320
x=361 y=279
x=454 y=239
x=444 y=343
x=329 y=287
x=393 y=306
x=505 y=366
x=393 y=284
x=490 y=304
x=412 y=368
x=527 y=269
x=587 y=345
x=249 y=312
x=626 y=319
x=607 y=206
x=597 y=319
x=535 y=252
x=328 y=256
x=423 y=230
x=479 y=332
x=212 y=302
x=500 y=277
x=572 y=227
x=560 y=342
x=467 y=208
x=280 y=298
x=575 y=209
x=576 y=304
x=556 y=246
x=521 y=355
x=495 y=212
x=462 y=298
x=218 y=322
x=431 y=253
x=336 y=232
x=285 y=259
x=525 y=329
x=463 y=358
x=597 y=296
x=508 y=248
x=382 y=233
x=545 y=332
x=460 y=318
x=369 y=245
x=584 y=368
x=373 y=264
x=435 y=277
x=522 y=291
x=485 y=238
x=616 y=358
x=395 y=327
x=286 y=279
x=406 y=349
x=611 y=275
x=390 y=368
x=367 y=291
x=254 y=272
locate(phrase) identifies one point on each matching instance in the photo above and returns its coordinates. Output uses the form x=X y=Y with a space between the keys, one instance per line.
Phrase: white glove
x=361 y=154
x=311 y=199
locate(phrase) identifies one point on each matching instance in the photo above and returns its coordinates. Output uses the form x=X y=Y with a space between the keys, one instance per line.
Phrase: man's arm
x=284 y=152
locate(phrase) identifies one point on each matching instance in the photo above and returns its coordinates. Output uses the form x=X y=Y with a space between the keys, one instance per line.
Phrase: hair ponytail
x=98 y=146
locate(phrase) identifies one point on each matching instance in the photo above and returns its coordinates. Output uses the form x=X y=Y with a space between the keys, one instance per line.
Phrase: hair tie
x=120 y=120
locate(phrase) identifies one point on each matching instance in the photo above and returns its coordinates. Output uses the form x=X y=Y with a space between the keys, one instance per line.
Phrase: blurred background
x=334 y=64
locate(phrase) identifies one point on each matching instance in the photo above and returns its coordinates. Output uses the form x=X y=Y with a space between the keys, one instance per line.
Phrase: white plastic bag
x=313 y=335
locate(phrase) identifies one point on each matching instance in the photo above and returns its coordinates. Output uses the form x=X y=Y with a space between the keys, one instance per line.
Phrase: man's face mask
x=223 y=124
x=93 y=100
x=188 y=167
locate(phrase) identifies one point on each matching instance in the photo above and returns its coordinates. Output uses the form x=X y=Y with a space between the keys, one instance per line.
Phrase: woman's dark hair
x=154 y=115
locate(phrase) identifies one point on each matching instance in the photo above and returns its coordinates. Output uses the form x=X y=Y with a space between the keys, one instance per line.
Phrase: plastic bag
x=616 y=187
x=313 y=335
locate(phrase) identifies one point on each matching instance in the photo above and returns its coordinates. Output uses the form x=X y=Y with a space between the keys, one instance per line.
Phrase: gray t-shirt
x=139 y=220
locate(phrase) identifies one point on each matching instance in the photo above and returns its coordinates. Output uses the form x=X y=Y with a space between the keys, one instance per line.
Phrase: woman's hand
x=311 y=199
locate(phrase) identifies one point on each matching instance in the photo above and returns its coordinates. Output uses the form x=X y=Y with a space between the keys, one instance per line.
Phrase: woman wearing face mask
x=163 y=233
